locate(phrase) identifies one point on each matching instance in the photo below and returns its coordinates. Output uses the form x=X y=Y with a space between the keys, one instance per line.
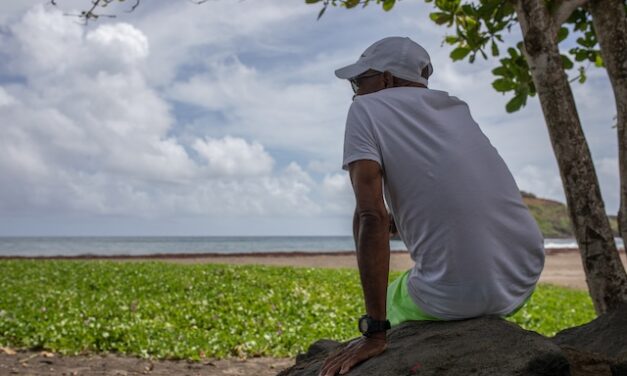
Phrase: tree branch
x=563 y=10
x=134 y=6
x=91 y=13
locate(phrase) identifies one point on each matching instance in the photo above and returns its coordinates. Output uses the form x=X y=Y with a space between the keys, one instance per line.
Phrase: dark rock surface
x=601 y=341
x=481 y=346
x=607 y=334
x=488 y=346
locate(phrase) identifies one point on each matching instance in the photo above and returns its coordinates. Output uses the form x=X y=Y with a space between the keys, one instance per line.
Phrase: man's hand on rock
x=354 y=353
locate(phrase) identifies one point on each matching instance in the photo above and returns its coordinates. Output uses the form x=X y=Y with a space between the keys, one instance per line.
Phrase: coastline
x=190 y=255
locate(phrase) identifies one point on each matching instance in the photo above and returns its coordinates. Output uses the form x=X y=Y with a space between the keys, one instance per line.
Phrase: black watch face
x=363 y=325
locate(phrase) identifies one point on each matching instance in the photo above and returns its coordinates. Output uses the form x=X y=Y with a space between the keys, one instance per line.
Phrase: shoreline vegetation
x=156 y=309
x=552 y=217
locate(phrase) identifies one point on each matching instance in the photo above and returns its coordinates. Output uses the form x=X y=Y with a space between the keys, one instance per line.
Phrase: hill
x=552 y=217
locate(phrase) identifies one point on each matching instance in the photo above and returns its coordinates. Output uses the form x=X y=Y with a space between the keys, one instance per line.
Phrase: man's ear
x=388 y=79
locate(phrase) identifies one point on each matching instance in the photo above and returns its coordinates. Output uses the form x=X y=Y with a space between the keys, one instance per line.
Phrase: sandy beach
x=563 y=267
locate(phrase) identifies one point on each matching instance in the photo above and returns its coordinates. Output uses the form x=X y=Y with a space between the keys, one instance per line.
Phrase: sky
x=225 y=119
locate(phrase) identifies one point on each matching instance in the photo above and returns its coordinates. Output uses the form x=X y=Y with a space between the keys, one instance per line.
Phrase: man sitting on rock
x=456 y=206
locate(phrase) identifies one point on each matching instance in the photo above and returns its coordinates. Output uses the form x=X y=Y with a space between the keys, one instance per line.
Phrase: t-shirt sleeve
x=359 y=138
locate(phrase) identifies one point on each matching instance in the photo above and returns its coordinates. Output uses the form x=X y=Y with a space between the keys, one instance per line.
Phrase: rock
x=481 y=346
x=598 y=347
x=607 y=334
x=620 y=367
x=584 y=363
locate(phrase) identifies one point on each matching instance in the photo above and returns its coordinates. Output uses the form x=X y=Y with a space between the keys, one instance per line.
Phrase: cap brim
x=430 y=69
x=351 y=71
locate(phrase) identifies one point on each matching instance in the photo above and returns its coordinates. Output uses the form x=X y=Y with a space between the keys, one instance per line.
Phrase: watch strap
x=375 y=326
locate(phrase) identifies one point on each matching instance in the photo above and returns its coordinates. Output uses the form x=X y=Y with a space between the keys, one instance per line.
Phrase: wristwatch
x=368 y=325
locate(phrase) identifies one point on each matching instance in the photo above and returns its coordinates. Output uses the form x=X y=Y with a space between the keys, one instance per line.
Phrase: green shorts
x=401 y=308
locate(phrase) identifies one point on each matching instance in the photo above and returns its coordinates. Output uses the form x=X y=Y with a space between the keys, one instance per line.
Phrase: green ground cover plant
x=165 y=310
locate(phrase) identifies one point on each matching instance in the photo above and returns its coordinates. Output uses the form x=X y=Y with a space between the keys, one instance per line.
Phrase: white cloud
x=221 y=26
x=541 y=182
x=336 y=183
x=338 y=193
x=608 y=173
x=226 y=86
x=43 y=42
x=297 y=116
x=86 y=133
x=234 y=156
x=117 y=45
x=5 y=98
x=608 y=166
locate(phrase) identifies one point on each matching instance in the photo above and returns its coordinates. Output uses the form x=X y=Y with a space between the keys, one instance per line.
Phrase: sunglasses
x=355 y=82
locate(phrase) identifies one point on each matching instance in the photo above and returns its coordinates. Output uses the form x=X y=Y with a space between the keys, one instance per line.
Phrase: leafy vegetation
x=155 y=309
x=552 y=217
x=553 y=308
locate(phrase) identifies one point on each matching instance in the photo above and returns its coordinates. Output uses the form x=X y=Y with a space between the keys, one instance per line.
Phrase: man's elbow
x=373 y=218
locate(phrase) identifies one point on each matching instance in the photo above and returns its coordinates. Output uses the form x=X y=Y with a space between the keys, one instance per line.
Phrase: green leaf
x=562 y=34
x=351 y=3
x=582 y=75
x=588 y=42
x=516 y=103
x=468 y=9
x=500 y=71
x=598 y=61
x=580 y=54
x=388 y=4
x=503 y=85
x=495 y=49
x=566 y=62
x=471 y=22
x=459 y=53
x=440 y=17
x=451 y=39
x=312 y=1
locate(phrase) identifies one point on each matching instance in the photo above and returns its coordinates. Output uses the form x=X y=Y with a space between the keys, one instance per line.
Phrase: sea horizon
x=124 y=245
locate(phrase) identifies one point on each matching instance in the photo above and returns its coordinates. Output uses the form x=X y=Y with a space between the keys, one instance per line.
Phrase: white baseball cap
x=400 y=56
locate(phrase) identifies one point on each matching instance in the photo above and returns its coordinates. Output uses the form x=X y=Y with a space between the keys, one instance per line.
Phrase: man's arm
x=371 y=231
x=371 y=227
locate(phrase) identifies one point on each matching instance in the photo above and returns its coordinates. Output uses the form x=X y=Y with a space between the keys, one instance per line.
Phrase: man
x=477 y=249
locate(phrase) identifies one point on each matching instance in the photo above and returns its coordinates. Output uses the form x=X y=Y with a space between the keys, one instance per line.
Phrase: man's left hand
x=354 y=353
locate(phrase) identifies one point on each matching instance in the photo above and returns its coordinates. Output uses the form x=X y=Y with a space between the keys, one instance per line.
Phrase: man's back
x=476 y=247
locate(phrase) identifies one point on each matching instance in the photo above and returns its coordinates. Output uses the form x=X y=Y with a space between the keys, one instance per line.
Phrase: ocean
x=139 y=245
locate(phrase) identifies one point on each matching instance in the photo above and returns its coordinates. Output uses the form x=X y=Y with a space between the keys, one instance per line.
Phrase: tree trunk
x=610 y=25
x=605 y=275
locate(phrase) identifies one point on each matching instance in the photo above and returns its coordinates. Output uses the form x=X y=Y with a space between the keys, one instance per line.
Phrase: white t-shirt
x=456 y=205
